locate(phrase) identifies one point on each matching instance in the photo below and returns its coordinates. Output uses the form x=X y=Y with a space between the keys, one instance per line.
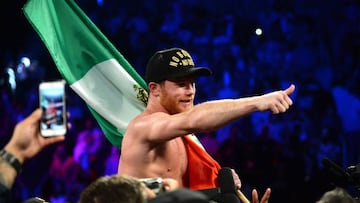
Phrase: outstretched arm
x=216 y=114
x=212 y=115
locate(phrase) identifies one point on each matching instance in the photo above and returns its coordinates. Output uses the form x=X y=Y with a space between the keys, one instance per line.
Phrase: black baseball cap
x=172 y=63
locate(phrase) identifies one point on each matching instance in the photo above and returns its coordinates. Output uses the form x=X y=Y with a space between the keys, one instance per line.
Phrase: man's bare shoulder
x=148 y=127
x=146 y=119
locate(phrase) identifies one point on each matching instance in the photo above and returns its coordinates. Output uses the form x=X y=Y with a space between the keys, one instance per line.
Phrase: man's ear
x=154 y=88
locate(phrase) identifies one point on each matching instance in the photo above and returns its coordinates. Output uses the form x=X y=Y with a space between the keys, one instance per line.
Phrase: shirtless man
x=159 y=142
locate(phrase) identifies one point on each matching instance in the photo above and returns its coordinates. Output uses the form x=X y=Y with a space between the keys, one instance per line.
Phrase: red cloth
x=202 y=169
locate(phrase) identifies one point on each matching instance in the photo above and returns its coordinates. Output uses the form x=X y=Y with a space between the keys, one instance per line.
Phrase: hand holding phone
x=53 y=104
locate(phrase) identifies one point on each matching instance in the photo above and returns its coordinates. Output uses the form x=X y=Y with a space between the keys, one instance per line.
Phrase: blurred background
x=253 y=47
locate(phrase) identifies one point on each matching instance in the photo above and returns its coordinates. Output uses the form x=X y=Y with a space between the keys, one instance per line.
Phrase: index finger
x=266 y=196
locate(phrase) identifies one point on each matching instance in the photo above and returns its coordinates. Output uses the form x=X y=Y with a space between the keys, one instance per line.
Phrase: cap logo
x=182 y=58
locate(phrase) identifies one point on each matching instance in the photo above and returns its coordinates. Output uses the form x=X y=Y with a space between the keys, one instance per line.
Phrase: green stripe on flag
x=93 y=67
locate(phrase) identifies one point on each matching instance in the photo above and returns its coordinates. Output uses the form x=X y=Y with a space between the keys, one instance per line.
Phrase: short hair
x=337 y=195
x=115 y=189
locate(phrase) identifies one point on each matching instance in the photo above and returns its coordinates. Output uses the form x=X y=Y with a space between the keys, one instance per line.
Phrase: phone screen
x=52 y=103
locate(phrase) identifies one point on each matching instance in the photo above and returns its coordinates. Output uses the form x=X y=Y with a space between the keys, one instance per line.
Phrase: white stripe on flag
x=100 y=90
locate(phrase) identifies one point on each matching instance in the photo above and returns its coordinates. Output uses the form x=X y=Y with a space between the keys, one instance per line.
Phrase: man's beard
x=171 y=105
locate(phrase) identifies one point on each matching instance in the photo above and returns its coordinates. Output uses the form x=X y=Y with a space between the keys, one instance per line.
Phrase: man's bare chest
x=173 y=155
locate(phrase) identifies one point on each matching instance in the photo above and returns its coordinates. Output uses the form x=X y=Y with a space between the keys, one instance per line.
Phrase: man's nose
x=190 y=89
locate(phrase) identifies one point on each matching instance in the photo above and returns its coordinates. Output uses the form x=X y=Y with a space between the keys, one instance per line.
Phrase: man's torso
x=165 y=160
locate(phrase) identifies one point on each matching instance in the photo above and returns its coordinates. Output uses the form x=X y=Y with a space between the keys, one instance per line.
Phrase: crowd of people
x=314 y=44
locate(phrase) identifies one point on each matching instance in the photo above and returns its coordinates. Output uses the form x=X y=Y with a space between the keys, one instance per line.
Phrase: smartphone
x=155 y=184
x=53 y=104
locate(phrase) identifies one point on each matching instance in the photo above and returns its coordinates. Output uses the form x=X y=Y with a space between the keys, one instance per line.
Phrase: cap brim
x=193 y=72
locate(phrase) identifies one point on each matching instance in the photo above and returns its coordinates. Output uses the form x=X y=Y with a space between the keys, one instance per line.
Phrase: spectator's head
x=115 y=189
x=337 y=195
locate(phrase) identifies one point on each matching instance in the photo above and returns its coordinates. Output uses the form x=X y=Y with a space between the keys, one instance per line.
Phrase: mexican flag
x=91 y=65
